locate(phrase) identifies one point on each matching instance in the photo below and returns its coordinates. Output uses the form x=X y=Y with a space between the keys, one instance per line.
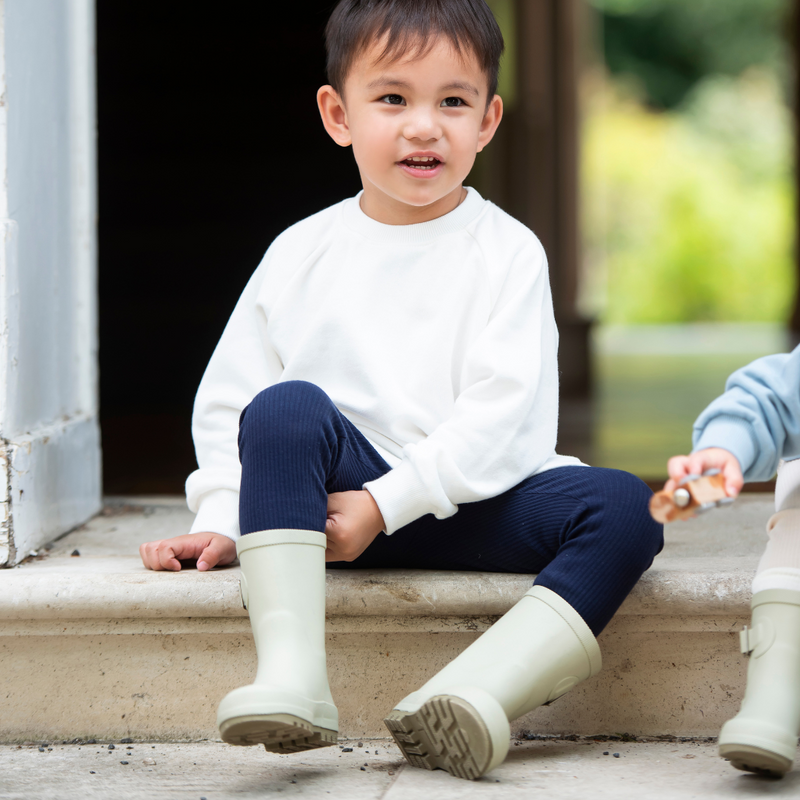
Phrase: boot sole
x=444 y=733
x=755 y=759
x=279 y=733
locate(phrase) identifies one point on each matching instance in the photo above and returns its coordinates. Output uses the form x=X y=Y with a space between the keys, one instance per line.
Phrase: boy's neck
x=389 y=211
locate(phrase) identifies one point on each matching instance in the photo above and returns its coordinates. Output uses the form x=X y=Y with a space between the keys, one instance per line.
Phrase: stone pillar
x=531 y=169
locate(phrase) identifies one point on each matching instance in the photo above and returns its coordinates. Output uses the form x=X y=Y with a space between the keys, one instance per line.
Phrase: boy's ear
x=491 y=119
x=334 y=116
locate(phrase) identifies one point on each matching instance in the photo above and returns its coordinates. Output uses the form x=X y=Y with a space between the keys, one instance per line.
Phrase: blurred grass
x=646 y=402
x=647 y=405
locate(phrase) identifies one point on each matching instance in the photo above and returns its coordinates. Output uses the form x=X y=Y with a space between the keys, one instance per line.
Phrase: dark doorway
x=209 y=145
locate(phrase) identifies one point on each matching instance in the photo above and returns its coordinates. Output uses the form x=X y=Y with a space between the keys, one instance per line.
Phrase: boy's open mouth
x=421 y=162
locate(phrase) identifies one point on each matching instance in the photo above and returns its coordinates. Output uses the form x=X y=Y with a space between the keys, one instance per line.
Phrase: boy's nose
x=422 y=125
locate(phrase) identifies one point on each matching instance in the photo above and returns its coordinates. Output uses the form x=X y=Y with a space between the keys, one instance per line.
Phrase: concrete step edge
x=118 y=587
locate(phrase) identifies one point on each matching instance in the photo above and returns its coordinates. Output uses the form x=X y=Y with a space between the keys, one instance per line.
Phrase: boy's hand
x=209 y=549
x=354 y=520
x=679 y=467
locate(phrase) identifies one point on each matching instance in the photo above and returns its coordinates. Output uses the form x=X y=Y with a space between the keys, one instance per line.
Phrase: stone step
x=95 y=646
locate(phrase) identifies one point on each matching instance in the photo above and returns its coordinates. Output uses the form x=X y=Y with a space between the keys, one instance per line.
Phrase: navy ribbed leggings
x=586 y=531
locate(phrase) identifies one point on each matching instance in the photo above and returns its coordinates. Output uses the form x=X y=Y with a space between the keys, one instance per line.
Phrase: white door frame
x=50 y=463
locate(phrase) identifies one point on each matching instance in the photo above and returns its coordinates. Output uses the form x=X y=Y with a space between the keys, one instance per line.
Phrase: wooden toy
x=694 y=495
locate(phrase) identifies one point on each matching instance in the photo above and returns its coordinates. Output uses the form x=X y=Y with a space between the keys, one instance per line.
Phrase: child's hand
x=354 y=520
x=209 y=549
x=679 y=467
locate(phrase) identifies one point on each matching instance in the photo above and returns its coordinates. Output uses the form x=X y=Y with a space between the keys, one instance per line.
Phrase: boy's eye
x=452 y=102
x=392 y=99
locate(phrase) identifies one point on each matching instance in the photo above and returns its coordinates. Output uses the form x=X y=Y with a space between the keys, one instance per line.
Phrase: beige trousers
x=779 y=567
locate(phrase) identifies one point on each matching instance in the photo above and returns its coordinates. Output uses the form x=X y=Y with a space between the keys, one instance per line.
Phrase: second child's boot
x=762 y=737
x=459 y=720
x=288 y=708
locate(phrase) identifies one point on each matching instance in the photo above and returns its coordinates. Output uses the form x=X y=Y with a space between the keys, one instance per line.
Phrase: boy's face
x=416 y=126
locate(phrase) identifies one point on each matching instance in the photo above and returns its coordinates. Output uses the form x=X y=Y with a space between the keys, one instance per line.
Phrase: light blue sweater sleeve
x=758 y=417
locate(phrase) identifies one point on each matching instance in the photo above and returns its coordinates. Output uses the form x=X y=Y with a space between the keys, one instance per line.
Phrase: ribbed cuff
x=402 y=497
x=785 y=578
x=218 y=513
x=732 y=434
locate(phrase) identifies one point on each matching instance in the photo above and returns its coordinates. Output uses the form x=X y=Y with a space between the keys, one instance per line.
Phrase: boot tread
x=444 y=733
x=279 y=733
x=750 y=758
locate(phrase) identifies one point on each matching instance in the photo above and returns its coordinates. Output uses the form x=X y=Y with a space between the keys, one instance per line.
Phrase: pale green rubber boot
x=459 y=720
x=762 y=737
x=288 y=708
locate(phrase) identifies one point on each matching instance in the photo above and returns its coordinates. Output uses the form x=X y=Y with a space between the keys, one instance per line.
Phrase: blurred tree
x=689 y=216
x=670 y=45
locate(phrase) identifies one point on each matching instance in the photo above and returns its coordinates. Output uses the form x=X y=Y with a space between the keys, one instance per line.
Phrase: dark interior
x=210 y=145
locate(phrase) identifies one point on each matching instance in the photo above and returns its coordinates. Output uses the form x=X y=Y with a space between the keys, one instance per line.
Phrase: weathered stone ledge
x=118 y=587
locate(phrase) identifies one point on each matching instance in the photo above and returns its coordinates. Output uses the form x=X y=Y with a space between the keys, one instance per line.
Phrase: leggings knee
x=292 y=411
x=626 y=499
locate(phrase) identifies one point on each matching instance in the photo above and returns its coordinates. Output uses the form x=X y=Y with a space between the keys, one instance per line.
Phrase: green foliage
x=689 y=217
x=671 y=45
x=503 y=11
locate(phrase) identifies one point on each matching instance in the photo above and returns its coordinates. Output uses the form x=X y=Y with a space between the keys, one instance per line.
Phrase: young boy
x=390 y=373
x=744 y=433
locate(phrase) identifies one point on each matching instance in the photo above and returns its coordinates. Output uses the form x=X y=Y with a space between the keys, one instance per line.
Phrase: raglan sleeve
x=243 y=363
x=504 y=420
x=758 y=417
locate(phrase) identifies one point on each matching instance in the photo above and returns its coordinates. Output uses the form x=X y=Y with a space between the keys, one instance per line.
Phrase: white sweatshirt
x=436 y=340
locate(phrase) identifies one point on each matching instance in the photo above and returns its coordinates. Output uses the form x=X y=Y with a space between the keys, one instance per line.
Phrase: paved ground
x=554 y=769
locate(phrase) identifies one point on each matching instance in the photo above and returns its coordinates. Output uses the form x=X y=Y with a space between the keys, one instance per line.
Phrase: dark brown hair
x=411 y=26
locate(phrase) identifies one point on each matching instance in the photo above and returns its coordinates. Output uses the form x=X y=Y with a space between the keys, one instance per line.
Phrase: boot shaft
x=535 y=653
x=773 y=644
x=283 y=589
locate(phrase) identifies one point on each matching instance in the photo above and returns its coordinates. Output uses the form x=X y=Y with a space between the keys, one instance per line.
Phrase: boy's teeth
x=422 y=162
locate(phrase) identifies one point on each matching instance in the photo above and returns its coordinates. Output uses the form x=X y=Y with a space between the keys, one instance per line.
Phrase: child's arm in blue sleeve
x=758 y=417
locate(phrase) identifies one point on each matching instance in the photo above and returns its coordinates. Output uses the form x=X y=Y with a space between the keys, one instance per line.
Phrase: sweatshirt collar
x=453 y=222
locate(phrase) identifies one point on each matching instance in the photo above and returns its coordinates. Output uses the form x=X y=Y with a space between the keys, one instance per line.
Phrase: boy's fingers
x=677 y=468
x=332 y=550
x=218 y=552
x=340 y=542
x=210 y=550
x=149 y=551
x=209 y=559
x=167 y=558
x=702 y=461
x=699 y=462
x=719 y=458
x=734 y=481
